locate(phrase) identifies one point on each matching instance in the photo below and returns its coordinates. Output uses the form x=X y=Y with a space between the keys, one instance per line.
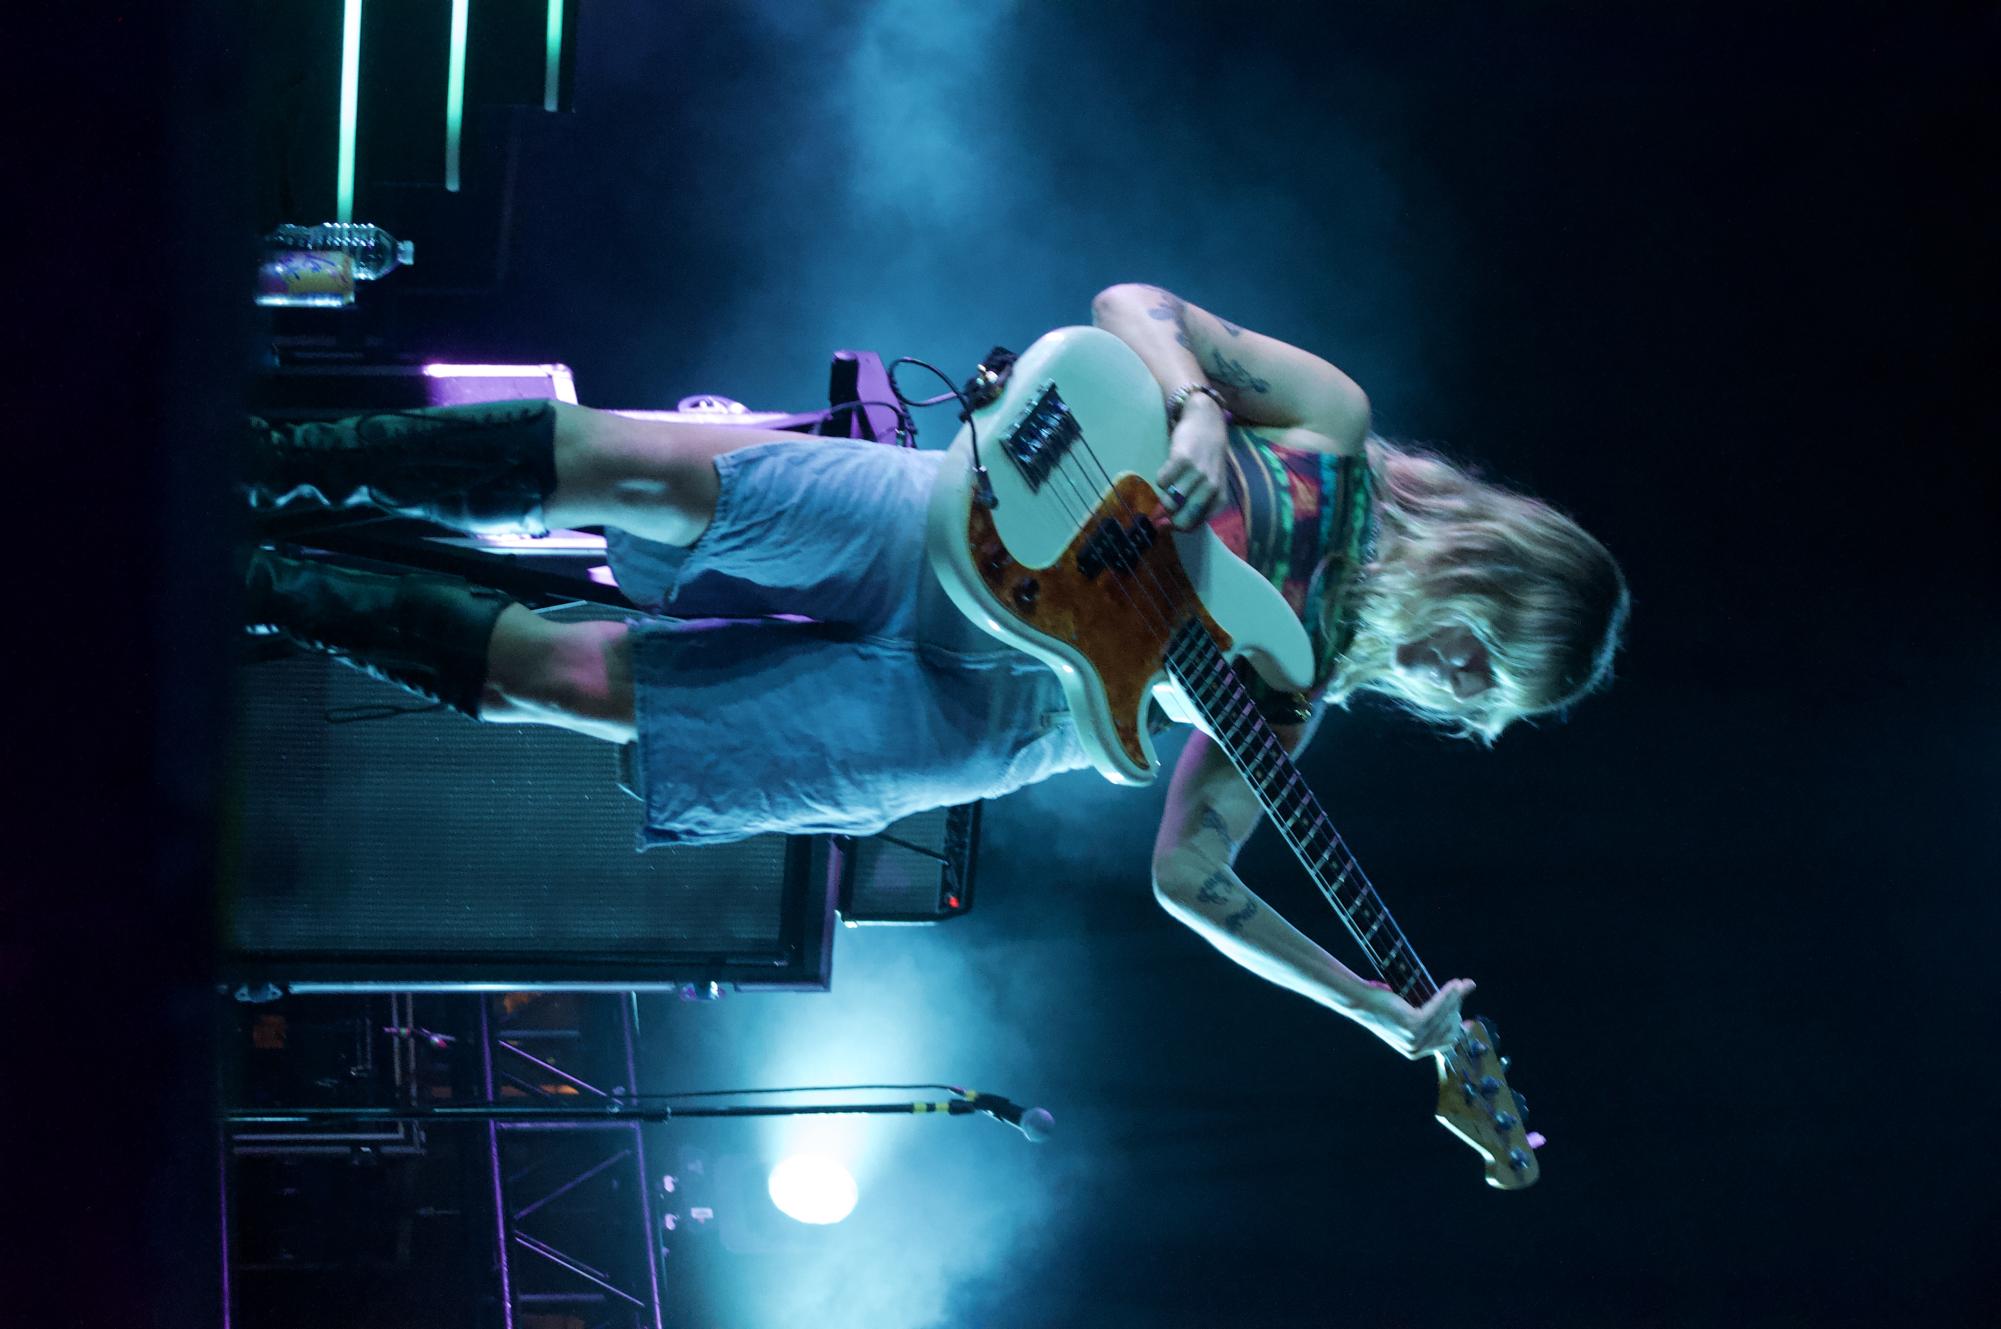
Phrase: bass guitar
x=1045 y=529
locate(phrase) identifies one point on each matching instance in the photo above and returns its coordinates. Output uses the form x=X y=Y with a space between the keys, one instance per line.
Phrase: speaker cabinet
x=918 y=870
x=376 y=846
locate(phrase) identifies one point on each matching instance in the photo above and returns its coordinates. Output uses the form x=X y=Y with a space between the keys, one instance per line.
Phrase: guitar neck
x=1198 y=664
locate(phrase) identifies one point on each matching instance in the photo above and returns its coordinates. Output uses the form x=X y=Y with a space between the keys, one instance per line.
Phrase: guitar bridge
x=1040 y=439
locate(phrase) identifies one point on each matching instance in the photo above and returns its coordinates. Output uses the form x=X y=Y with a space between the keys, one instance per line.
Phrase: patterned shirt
x=1304 y=520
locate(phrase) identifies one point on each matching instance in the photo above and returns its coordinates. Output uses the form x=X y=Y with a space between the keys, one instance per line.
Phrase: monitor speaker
x=918 y=870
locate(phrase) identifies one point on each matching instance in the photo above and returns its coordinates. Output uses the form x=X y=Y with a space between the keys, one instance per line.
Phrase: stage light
x=813 y=1189
x=552 y=54
x=455 y=94
x=350 y=102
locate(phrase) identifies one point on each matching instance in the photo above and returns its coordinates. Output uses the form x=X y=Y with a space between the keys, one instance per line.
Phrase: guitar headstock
x=1476 y=1104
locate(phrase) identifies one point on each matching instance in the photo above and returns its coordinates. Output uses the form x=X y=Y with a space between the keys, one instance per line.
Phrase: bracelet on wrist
x=1177 y=401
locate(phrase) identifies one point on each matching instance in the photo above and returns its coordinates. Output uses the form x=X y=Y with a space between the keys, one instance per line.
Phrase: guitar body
x=1077 y=564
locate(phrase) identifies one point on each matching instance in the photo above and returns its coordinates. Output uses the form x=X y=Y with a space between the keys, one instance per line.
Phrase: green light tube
x=455 y=95
x=553 y=58
x=350 y=98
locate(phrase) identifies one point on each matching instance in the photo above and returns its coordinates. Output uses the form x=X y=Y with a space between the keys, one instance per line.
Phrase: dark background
x=1712 y=278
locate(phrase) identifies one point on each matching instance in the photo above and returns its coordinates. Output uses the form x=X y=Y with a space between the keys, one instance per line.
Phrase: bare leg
x=654 y=478
x=575 y=676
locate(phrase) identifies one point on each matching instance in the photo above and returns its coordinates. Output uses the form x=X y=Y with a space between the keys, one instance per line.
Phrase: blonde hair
x=1543 y=597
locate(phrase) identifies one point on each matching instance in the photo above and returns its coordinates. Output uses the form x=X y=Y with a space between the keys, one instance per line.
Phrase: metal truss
x=612 y=1280
x=572 y=1224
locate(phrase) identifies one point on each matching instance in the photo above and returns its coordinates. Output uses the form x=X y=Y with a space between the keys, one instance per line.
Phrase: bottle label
x=306 y=277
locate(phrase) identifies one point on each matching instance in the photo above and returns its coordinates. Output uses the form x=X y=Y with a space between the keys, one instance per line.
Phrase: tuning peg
x=1520 y=1158
x=1505 y=1122
x=1476 y=1049
x=1493 y=1034
x=1521 y=1104
x=1489 y=1086
x=1506 y=1062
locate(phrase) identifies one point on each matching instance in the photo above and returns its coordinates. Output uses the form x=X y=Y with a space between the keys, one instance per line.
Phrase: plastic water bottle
x=375 y=252
x=316 y=267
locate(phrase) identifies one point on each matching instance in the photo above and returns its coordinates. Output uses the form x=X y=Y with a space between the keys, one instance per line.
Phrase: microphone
x=1034 y=1122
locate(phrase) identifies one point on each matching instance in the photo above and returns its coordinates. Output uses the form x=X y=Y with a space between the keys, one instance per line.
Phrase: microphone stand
x=609 y=1110
x=618 y=1110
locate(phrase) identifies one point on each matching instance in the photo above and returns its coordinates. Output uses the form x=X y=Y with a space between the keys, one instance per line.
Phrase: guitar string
x=1215 y=671
x=1457 y=1053
x=1282 y=767
x=1293 y=801
x=1457 y=1049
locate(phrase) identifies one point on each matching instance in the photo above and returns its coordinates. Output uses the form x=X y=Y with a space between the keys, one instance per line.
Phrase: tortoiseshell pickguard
x=1119 y=621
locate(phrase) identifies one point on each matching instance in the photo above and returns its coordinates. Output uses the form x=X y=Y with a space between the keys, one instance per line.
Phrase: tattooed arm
x=1210 y=813
x=1305 y=402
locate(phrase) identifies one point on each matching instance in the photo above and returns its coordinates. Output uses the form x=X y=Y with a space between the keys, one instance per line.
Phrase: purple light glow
x=558 y=377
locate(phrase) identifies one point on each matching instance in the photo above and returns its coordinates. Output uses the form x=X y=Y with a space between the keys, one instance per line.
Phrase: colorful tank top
x=1306 y=521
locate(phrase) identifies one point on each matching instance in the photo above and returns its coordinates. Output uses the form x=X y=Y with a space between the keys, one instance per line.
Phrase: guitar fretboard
x=1198 y=664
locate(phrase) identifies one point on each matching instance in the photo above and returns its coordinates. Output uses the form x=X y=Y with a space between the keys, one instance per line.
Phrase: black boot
x=484 y=468
x=425 y=632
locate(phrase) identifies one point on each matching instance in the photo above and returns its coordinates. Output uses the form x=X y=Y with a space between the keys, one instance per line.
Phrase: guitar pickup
x=1114 y=546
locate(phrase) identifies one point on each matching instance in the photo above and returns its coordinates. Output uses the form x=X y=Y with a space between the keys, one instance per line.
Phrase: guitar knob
x=1504 y=1122
x=1520 y=1159
x=1025 y=593
x=1521 y=1104
x=1489 y=1086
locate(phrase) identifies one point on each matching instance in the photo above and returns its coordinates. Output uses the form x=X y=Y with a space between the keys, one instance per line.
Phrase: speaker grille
x=426 y=836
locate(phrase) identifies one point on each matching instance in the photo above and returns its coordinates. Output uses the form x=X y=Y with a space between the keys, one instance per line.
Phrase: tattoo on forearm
x=1218 y=889
x=1212 y=820
x=1173 y=309
x=1231 y=376
x=1229 y=327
